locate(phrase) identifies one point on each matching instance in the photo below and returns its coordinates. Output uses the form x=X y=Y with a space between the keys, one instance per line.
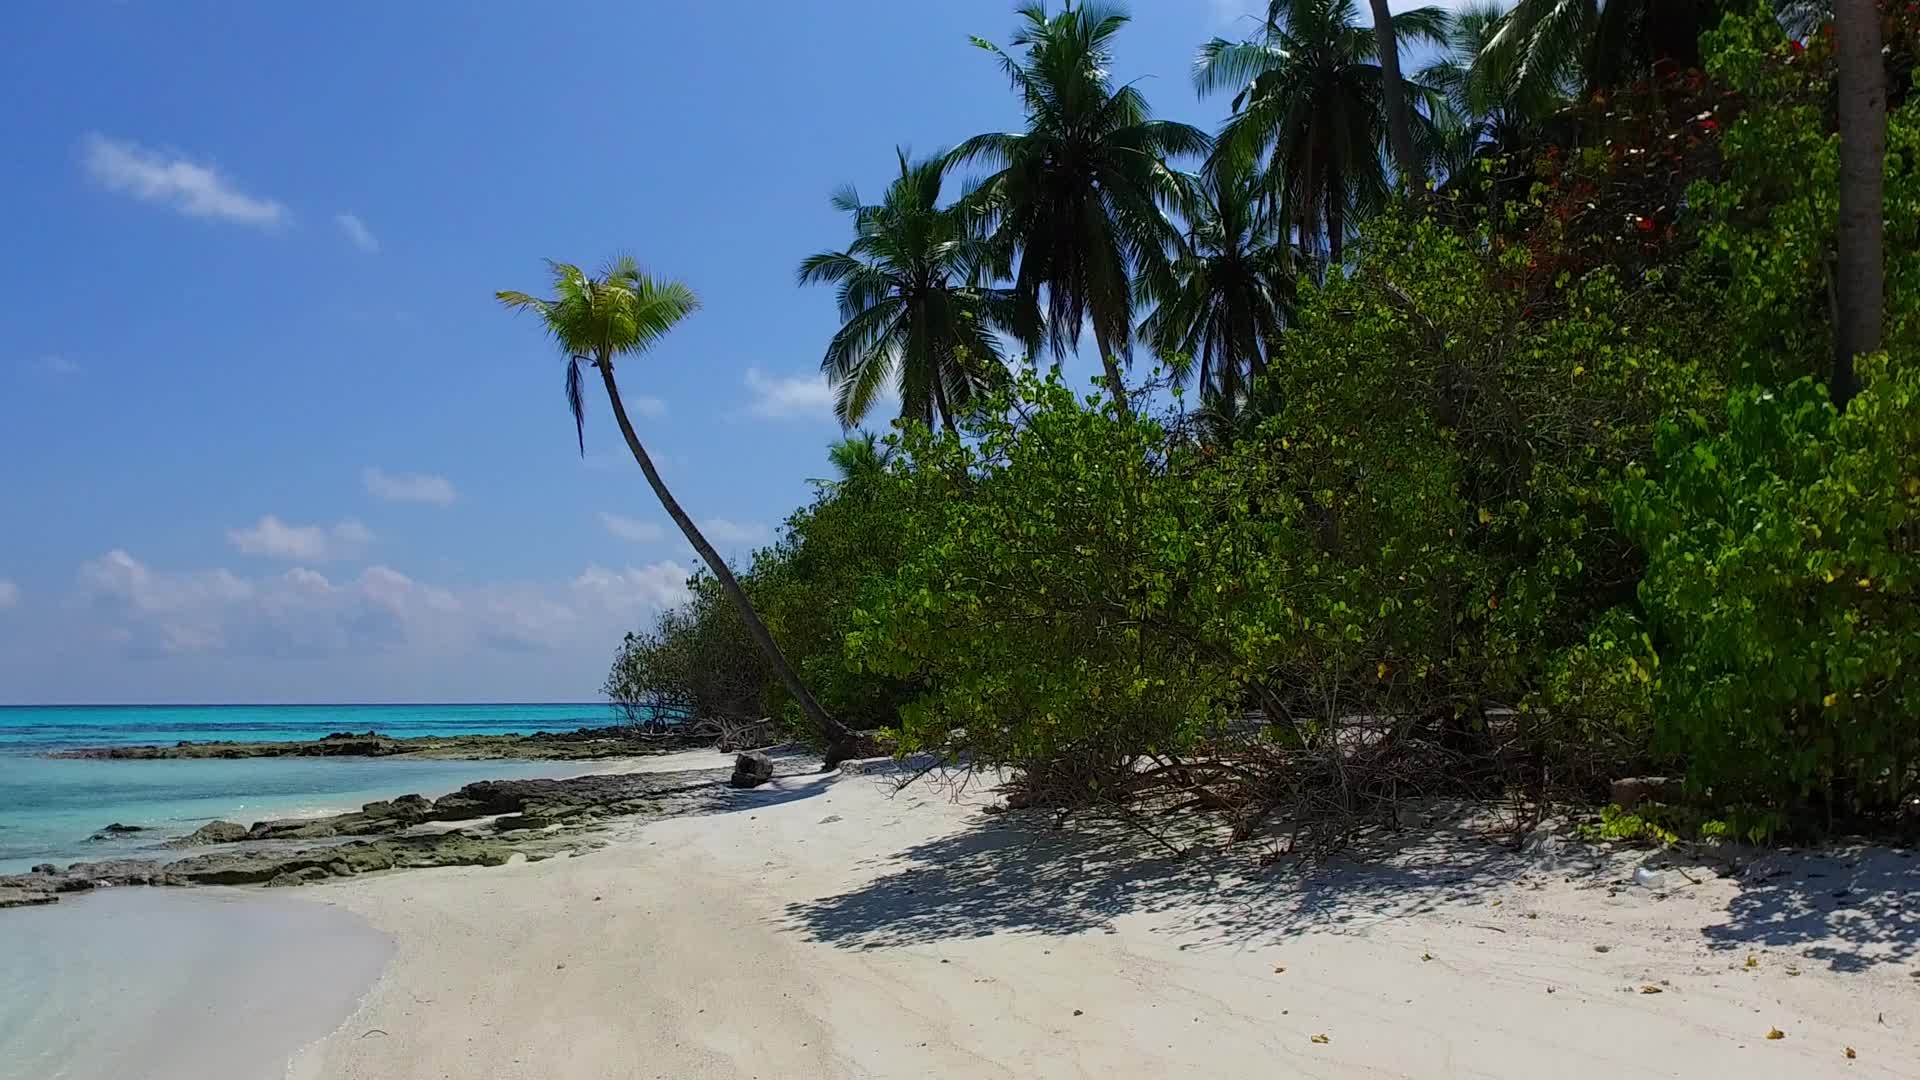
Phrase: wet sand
x=171 y=984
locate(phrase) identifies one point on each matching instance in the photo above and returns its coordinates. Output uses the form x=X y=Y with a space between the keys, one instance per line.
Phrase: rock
x=406 y=810
x=565 y=807
x=751 y=770
x=46 y=868
x=213 y=832
x=117 y=829
x=296 y=829
x=583 y=744
x=1632 y=791
x=13 y=897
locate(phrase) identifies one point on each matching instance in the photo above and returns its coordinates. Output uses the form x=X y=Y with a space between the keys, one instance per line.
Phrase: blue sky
x=268 y=438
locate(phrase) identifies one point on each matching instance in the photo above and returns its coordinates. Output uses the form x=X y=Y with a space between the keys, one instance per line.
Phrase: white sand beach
x=826 y=927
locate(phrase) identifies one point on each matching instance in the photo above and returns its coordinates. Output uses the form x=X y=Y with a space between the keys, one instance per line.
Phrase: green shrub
x=1784 y=564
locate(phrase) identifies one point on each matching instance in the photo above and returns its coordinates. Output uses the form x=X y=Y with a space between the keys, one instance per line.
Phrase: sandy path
x=828 y=929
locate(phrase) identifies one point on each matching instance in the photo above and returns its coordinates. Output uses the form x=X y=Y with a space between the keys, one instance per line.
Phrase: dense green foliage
x=1539 y=485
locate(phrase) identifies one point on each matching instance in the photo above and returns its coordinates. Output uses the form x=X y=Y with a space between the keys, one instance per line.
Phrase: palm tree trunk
x=940 y=405
x=837 y=736
x=1393 y=94
x=1336 y=229
x=1116 y=380
x=1860 y=277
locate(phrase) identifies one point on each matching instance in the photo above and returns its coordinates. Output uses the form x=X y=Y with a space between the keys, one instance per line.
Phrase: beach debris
x=1850 y=1054
x=1646 y=878
x=751 y=770
x=1791 y=970
x=1775 y=1034
x=1279 y=971
x=1649 y=988
x=1425 y=956
x=1603 y=948
x=1321 y=1039
x=1752 y=961
x=1079 y=1012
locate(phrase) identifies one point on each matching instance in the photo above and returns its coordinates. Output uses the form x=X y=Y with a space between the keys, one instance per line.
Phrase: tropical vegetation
x=1571 y=435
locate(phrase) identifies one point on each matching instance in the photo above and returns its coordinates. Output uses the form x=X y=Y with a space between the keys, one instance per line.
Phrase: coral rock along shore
x=584 y=744
x=483 y=823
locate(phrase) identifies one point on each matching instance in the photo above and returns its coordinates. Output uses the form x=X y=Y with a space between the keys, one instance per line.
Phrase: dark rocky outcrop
x=213 y=832
x=583 y=744
x=116 y=831
x=751 y=770
x=493 y=819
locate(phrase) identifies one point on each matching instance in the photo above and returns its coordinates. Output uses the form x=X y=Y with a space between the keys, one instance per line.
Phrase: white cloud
x=646 y=406
x=654 y=586
x=408 y=487
x=723 y=531
x=626 y=528
x=169 y=178
x=9 y=594
x=357 y=232
x=301 y=543
x=777 y=397
x=303 y=614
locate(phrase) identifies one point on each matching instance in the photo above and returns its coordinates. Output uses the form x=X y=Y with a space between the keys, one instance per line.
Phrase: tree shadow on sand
x=1018 y=874
x=1851 y=910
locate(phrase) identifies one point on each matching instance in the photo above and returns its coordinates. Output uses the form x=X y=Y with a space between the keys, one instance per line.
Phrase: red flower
x=1644 y=224
x=1709 y=125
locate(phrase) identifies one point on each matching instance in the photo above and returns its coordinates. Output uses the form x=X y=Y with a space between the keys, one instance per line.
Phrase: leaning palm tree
x=1232 y=283
x=914 y=308
x=1308 y=105
x=1607 y=41
x=623 y=312
x=1079 y=193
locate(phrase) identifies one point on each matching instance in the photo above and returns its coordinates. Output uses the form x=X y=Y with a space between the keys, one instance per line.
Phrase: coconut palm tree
x=913 y=307
x=1079 y=192
x=1860 y=273
x=1608 y=41
x=1490 y=112
x=1308 y=105
x=860 y=456
x=596 y=320
x=1232 y=283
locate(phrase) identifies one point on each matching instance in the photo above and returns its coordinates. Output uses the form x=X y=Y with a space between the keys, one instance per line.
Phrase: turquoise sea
x=49 y=808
